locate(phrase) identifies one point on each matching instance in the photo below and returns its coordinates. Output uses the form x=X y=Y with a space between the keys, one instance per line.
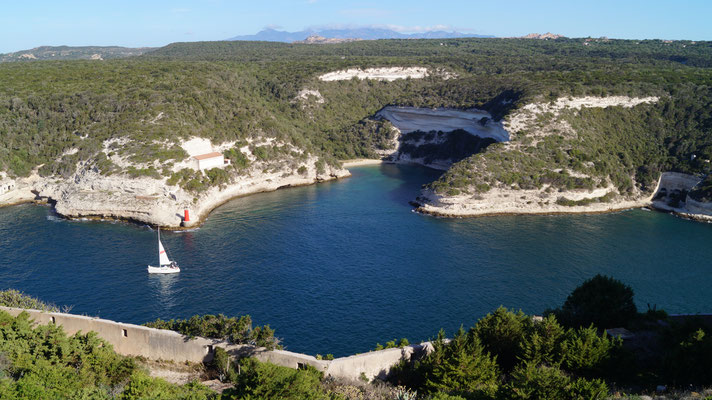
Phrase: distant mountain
x=544 y=36
x=74 y=53
x=316 y=39
x=272 y=35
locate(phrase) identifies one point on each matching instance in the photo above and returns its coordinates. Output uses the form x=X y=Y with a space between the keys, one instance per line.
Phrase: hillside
x=73 y=53
x=118 y=129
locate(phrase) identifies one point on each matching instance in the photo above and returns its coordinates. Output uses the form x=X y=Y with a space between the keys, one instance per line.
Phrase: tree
x=602 y=301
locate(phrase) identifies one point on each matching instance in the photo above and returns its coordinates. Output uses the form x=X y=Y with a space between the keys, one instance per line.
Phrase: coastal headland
x=192 y=125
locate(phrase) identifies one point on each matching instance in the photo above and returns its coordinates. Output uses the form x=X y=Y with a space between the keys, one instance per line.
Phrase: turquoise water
x=337 y=267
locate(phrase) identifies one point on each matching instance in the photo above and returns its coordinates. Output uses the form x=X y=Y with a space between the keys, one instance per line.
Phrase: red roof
x=208 y=155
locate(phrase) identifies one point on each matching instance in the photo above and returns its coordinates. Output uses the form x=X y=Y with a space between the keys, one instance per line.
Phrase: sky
x=151 y=23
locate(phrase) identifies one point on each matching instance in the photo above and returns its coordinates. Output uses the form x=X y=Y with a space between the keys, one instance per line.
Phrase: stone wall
x=160 y=344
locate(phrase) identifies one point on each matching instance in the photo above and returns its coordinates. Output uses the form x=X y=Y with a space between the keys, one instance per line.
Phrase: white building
x=6 y=186
x=202 y=162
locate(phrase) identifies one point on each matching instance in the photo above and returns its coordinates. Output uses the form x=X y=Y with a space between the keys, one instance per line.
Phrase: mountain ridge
x=273 y=35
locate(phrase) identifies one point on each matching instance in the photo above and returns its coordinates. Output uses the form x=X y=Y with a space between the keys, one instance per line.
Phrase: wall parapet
x=162 y=344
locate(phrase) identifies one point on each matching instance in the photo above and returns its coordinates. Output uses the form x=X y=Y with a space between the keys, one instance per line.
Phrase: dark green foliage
x=531 y=381
x=587 y=352
x=141 y=386
x=602 y=301
x=391 y=344
x=545 y=343
x=15 y=298
x=221 y=364
x=235 y=330
x=461 y=367
x=258 y=380
x=703 y=190
x=688 y=359
x=502 y=333
x=43 y=362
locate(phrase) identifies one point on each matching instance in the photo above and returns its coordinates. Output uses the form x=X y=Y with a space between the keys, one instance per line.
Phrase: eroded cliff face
x=530 y=127
x=87 y=193
x=673 y=195
x=437 y=138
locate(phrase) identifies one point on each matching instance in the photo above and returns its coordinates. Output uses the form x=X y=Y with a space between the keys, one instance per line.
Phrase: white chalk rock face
x=381 y=74
x=411 y=119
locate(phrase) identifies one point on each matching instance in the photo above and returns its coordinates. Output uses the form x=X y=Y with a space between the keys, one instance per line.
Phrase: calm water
x=337 y=267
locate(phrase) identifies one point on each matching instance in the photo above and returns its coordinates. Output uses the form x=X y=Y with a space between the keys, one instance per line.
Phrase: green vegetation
x=703 y=190
x=505 y=355
x=15 y=298
x=510 y=355
x=234 y=330
x=601 y=301
x=235 y=91
x=43 y=363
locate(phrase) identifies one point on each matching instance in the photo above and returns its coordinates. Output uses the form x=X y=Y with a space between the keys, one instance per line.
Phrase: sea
x=337 y=267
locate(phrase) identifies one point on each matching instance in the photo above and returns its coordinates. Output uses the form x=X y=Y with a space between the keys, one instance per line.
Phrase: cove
x=337 y=267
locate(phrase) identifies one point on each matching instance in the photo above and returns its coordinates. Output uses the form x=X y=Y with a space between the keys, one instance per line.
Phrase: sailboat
x=165 y=265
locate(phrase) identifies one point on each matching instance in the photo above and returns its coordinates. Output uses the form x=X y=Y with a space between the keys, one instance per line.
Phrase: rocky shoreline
x=534 y=202
x=89 y=195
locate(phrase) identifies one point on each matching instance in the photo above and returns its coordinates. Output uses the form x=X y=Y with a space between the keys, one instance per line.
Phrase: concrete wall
x=698 y=207
x=129 y=339
x=160 y=344
x=678 y=181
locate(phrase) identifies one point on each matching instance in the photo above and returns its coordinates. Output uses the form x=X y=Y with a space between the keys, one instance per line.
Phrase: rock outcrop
x=602 y=197
x=90 y=194
x=381 y=74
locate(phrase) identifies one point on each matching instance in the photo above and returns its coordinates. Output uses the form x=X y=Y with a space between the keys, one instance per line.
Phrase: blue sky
x=27 y=24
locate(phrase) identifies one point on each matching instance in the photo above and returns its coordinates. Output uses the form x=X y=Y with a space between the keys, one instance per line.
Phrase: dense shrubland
x=233 y=91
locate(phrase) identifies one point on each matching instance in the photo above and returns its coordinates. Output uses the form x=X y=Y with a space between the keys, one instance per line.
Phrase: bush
x=587 y=352
x=545 y=343
x=258 y=380
x=602 y=301
x=15 y=298
x=502 y=334
x=461 y=367
x=43 y=362
x=689 y=357
x=142 y=386
x=234 y=330
x=529 y=381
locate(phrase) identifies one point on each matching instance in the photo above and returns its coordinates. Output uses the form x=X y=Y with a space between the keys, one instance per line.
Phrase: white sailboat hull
x=163 y=270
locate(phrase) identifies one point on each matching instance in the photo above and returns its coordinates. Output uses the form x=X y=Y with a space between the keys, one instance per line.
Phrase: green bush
x=142 y=386
x=588 y=353
x=502 y=333
x=258 y=380
x=460 y=367
x=43 y=362
x=688 y=359
x=602 y=301
x=529 y=381
x=15 y=298
x=235 y=330
x=545 y=343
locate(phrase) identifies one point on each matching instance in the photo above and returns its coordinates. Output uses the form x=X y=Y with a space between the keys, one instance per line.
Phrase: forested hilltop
x=265 y=102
